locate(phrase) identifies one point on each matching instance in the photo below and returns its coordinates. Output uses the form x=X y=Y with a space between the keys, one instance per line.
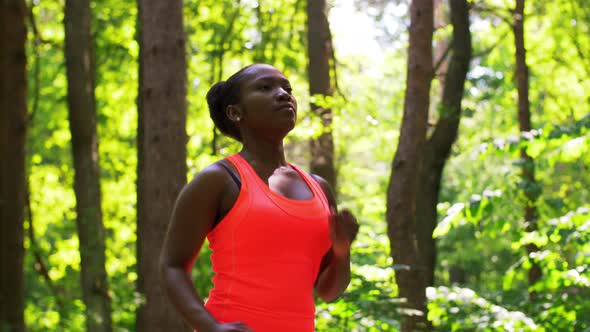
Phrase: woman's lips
x=286 y=107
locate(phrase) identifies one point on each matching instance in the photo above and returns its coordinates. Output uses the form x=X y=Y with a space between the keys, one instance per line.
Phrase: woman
x=274 y=230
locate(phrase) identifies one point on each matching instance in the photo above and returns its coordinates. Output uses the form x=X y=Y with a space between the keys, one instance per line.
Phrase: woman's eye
x=288 y=89
x=264 y=87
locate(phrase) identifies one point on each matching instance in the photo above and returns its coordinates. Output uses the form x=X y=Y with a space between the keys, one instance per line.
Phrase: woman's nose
x=282 y=94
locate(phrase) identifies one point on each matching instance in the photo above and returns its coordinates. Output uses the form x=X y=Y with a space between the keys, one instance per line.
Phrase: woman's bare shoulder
x=210 y=180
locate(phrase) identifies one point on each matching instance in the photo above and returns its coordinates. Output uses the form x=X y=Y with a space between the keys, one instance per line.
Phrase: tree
x=438 y=146
x=319 y=47
x=82 y=118
x=161 y=150
x=13 y=110
x=403 y=183
x=529 y=185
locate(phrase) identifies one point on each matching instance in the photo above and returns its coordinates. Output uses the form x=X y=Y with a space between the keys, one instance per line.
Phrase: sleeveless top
x=266 y=254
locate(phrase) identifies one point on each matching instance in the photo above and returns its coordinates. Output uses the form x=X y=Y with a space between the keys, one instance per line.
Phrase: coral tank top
x=266 y=254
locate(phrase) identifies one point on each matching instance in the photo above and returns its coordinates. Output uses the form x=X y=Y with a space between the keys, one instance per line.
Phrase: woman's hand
x=343 y=230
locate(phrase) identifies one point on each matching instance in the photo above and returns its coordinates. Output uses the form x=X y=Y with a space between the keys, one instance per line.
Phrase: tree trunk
x=13 y=113
x=403 y=185
x=524 y=120
x=457 y=275
x=438 y=146
x=161 y=150
x=82 y=115
x=319 y=47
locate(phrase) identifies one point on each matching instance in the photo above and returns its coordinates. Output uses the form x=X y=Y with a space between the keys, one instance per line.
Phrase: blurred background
x=461 y=144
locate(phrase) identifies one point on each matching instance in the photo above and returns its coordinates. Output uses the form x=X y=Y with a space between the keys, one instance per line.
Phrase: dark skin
x=267 y=111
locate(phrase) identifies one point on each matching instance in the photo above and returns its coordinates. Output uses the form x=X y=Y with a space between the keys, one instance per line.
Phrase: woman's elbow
x=166 y=267
x=328 y=296
x=330 y=299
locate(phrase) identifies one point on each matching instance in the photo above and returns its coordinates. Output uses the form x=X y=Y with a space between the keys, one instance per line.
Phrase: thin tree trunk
x=260 y=49
x=216 y=59
x=441 y=56
x=524 y=120
x=438 y=146
x=403 y=185
x=319 y=47
x=82 y=115
x=161 y=150
x=13 y=112
x=457 y=275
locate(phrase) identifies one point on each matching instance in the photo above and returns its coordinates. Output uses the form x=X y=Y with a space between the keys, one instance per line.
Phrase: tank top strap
x=235 y=160
x=318 y=205
x=242 y=203
x=244 y=169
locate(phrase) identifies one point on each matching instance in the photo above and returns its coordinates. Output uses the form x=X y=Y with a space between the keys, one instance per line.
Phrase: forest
x=457 y=131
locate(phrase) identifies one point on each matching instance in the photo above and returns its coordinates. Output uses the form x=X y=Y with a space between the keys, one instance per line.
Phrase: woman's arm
x=192 y=218
x=334 y=275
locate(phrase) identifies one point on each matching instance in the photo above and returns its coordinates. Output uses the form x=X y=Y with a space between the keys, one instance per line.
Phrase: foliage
x=480 y=231
x=461 y=309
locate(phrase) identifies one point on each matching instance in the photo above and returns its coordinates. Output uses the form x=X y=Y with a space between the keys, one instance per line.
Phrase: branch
x=224 y=38
x=40 y=266
x=37 y=80
x=36 y=41
x=581 y=53
x=504 y=14
x=261 y=47
x=491 y=48
x=440 y=61
x=334 y=61
x=274 y=36
x=292 y=21
x=38 y=37
x=221 y=53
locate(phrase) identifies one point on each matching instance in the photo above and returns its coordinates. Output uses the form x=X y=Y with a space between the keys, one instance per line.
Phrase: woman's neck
x=266 y=154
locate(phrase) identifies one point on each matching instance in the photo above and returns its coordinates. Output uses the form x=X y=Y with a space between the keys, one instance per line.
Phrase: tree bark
x=161 y=150
x=403 y=185
x=82 y=115
x=319 y=47
x=438 y=147
x=524 y=120
x=13 y=113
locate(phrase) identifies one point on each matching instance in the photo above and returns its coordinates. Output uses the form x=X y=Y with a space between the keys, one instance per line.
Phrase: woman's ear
x=234 y=113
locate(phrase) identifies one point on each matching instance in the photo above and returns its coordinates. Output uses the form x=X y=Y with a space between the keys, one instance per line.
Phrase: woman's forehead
x=262 y=70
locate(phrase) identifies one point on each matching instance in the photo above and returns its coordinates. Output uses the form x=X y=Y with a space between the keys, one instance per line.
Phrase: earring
x=238 y=119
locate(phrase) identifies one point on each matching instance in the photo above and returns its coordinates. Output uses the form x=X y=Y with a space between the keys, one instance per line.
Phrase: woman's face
x=266 y=102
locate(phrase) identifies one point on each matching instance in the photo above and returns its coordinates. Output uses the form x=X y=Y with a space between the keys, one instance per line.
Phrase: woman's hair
x=220 y=96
